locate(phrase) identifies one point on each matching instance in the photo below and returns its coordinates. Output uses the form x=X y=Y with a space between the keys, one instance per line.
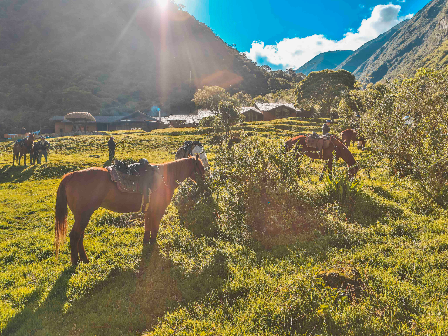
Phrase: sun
x=163 y=3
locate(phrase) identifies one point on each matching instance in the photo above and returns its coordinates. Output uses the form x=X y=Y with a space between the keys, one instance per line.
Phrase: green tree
x=420 y=148
x=323 y=88
x=222 y=104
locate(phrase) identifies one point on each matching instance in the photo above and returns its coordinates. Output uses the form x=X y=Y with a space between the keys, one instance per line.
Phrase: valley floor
x=254 y=250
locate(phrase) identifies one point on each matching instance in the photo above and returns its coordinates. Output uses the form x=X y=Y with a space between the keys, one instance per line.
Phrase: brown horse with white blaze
x=86 y=190
x=21 y=148
x=299 y=144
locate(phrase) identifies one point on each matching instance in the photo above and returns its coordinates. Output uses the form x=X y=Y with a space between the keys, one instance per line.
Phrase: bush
x=419 y=149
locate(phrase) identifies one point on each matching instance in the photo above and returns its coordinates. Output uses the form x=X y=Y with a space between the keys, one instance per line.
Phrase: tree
x=419 y=149
x=323 y=88
x=220 y=103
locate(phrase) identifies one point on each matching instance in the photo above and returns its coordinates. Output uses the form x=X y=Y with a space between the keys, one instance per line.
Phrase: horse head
x=198 y=168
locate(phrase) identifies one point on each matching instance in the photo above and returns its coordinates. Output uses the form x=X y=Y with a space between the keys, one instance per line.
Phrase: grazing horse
x=299 y=144
x=350 y=135
x=21 y=148
x=86 y=190
x=191 y=148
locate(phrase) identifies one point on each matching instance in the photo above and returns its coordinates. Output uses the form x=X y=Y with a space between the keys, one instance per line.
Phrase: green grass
x=227 y=263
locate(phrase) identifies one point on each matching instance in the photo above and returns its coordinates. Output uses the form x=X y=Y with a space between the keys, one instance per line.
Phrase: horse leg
x=152 y=223
x=329 y=166
x=77 y=237
x=24 y=159
x=74 y=240
x=81 y=250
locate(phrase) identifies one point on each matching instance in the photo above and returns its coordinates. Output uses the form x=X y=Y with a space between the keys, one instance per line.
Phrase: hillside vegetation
x=112 y=57
x=251 y=250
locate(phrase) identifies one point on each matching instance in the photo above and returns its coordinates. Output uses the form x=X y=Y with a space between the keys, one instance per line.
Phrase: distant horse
x=191 y=148
x=350 y=135
x=21 y=148
x=86 y=190
x=336 y=145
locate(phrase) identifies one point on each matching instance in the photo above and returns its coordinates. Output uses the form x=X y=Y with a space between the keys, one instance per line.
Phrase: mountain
x=326 y=60
x=109 y=57
x=363 y=53
x=419 y=42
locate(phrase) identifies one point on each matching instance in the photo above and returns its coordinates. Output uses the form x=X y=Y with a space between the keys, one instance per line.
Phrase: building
x=277 y=110
x=84 y=122
x=186 y=120
x=251 y=113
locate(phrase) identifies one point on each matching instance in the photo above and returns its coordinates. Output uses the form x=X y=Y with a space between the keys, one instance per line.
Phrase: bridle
x=196 y=165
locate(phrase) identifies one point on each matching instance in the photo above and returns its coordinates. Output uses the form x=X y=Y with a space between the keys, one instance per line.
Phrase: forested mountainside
x=326 y=60
x=363 y=53
x=419 y=42
x=110 y=57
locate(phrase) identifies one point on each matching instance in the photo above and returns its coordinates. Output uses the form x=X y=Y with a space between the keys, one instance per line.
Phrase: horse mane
x=344 y=153
x=173 y=169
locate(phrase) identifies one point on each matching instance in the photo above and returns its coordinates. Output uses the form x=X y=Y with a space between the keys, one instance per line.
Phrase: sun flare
x=162 y=3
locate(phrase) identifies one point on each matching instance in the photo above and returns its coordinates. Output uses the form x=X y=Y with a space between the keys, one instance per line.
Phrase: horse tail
x=60 y=215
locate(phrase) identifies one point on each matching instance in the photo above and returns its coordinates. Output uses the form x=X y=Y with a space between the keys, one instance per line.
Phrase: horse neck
x=293 y=141
x=344 y=153
x=176 y=171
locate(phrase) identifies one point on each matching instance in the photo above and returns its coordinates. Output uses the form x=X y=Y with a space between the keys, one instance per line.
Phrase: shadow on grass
x=16 y=174
x=126 y=303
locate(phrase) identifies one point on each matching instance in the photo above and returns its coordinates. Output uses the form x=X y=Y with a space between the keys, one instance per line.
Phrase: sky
x=288 y=33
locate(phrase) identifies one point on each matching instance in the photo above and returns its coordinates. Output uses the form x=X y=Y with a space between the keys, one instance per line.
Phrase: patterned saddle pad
x=146 y=179
x=318 y=142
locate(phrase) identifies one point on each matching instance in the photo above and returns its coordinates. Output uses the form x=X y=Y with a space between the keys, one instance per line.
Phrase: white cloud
x=294 y=52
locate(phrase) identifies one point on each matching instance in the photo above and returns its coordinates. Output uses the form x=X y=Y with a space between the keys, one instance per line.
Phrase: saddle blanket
x=318 y=142
x=134 y=183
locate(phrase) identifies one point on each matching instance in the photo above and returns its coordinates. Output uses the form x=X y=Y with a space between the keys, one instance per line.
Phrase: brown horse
x=21 y=148
x=350 y=135
x=86 y=190
x=299 y=144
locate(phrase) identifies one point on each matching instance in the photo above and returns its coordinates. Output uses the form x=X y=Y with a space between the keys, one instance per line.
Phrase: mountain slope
x=326 y=60
x=410 y=46
x=109 y=57
x=360 y=55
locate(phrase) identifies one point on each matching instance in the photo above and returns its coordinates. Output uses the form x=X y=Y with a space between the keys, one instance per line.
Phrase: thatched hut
x=80 y=117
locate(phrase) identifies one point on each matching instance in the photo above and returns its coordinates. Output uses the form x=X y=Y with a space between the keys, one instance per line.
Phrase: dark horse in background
x=86 y=190
x=336 y=145
x=21 y=148
x=350 y=135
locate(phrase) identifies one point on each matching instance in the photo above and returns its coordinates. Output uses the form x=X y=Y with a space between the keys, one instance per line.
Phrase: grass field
x=365 y=258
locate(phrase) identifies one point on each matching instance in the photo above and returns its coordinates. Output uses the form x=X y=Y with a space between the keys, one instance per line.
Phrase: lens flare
x=163 y=3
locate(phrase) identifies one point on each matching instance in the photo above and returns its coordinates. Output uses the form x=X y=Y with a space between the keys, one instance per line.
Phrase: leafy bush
x=419 y=149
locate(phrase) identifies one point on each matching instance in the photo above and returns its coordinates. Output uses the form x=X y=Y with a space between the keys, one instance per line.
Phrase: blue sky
x=286 y=34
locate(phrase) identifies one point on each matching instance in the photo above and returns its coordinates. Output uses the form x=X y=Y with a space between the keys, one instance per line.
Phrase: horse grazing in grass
x=21 y=148
x=350 y=135
x=335 y=145
x=86 y=190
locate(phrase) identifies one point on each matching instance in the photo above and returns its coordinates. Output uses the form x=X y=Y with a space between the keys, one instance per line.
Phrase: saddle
x=187 y=147
x=136 y=178
x=318 y=142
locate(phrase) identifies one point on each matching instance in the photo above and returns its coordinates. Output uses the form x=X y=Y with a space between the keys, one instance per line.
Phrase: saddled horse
x=21 y=148
x=350 y=135
x=191 y=148
x=335 y=145
x=86 y=190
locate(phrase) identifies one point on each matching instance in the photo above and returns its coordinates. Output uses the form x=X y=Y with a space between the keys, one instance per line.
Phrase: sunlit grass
x=196 y=283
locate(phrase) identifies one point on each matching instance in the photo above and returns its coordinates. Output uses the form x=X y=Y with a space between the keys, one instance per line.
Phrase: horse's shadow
x=126 y=302
x=16 y=174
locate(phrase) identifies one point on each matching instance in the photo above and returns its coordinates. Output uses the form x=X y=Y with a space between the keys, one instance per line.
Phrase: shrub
x=418 y=149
